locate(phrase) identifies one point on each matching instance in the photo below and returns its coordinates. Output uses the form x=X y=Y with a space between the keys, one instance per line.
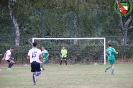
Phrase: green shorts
x=111 y=61
x=45 y=60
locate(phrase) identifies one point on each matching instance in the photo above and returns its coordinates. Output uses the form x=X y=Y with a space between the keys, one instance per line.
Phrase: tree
x=16 y=26
x=125 y=21
x=79 y=20
x=10 y=4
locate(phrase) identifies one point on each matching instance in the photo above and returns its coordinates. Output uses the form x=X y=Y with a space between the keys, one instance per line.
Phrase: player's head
x=63 y=47
x=34 y=44
x=11 y=48
x=109 y=43
x=43 y=48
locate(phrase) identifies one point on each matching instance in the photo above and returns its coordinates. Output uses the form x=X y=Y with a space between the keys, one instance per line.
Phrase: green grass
x=71 y=76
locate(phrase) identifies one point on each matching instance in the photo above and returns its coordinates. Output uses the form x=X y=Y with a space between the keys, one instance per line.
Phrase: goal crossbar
x=95 y=38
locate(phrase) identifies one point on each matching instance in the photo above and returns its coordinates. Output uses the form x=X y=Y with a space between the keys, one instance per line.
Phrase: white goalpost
x=95 y=38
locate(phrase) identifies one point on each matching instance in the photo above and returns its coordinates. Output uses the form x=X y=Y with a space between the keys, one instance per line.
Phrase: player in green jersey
x=63 y=55
x=45 y=55
x=110 y=52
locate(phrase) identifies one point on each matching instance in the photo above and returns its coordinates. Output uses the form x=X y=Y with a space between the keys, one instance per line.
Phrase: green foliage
x=5 y=22
x=66 y=4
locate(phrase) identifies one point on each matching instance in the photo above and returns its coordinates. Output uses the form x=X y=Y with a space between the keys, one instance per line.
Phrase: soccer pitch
x=70 y=76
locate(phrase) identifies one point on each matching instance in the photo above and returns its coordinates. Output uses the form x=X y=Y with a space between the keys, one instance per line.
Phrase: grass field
x=70 y=76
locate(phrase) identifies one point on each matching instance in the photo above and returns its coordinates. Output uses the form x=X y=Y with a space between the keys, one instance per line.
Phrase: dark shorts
x=9 y=60
x=35 y=66
x=111 y=61
x=64 y=58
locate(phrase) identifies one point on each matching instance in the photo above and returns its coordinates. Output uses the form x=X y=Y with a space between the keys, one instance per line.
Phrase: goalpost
x=98 y=38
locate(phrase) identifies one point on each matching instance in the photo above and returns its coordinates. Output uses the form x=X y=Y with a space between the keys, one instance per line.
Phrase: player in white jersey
x=8 y=58
x=35 y=55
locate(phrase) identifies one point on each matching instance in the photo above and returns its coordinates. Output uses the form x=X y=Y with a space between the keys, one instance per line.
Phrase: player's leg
x=112 y=69
x=112 y=66
x=66 y=61
x=34 y=78
x=45 y=60
x=38 y=70
x=41 y=65
x=9 y=64
x=107 y=68
x=33 y=70
x=60 y=61
x=109 y=61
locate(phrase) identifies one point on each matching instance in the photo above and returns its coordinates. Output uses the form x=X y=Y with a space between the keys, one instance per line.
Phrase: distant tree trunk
x=122 y=31
x=16 y=26
x=75 y=27
x=124 y=28
x=124 y=21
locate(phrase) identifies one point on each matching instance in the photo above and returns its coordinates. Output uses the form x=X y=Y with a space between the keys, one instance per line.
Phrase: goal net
x=80 y=50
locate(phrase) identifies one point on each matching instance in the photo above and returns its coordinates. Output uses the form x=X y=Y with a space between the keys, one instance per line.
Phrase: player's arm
x=28 y=56
x=115 y=51
x=106 y=54
x=12 y=58
x=40 y=57
x=4 y=57
x=61 y=52
x=47 y=55
x=66 y=52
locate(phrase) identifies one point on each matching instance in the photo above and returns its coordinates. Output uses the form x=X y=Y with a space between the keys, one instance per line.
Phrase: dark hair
x=43 y=46
x=34 y=44
x=109 y=44
x=11 y=48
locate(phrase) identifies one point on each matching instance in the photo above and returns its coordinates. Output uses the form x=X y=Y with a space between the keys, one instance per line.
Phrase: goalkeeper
x=45 y=55
x=63 y=55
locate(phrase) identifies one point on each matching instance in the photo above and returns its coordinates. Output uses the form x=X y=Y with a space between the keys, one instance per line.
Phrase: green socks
x=42 y=66
x=108 y=67
x=112 y=71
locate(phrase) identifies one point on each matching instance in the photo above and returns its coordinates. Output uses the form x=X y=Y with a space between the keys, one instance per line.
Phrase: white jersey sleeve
x=8 y=55
x=34 y=54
